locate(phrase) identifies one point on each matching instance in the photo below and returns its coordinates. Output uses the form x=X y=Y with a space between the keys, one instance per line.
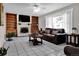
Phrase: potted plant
x=3 y=51
x=10 y=35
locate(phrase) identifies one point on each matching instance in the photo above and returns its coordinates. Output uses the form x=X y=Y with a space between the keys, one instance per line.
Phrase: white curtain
x=49 y=22
x=68 y=21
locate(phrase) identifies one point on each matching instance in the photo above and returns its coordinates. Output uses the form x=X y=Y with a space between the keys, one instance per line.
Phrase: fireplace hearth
x=24 y=30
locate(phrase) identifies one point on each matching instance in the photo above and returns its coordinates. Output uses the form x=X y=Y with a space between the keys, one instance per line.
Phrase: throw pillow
x=47 y=31
x=54 y=32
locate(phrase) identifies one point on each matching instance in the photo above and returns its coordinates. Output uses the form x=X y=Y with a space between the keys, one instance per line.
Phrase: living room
x=53 y=21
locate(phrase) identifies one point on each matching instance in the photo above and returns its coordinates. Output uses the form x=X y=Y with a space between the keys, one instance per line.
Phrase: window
x=58 y=22
x=64 y=20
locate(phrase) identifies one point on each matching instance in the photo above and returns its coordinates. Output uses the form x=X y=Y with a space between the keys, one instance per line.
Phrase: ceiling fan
x=37 y=8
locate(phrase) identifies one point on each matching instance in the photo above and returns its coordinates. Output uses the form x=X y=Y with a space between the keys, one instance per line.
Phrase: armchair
x=71 y=51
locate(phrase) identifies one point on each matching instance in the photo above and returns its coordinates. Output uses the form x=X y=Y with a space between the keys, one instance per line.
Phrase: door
x=34 y=24
x=11 y=23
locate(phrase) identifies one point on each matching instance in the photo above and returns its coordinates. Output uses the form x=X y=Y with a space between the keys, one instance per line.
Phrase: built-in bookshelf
x=11 y=22
x=34 y=24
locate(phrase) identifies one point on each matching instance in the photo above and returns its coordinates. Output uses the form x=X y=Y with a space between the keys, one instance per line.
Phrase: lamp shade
x=74 y=30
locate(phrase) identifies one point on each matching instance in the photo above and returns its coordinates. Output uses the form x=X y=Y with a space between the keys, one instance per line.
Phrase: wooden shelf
x=34 y=24
x=11 y=22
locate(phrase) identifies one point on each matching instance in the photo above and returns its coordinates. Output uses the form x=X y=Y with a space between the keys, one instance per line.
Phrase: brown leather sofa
x=71 y=51
x=56 y=36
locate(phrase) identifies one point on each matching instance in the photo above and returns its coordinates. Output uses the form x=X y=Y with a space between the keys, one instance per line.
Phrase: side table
x=72 y=39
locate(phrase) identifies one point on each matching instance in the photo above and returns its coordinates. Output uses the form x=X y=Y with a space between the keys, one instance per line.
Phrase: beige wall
x=2 y=36
x=2 y=29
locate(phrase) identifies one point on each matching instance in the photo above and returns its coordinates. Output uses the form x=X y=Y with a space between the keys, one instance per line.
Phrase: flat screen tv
x=24 y=18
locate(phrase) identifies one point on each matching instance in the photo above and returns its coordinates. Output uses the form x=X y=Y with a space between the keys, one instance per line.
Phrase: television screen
x=24 y=18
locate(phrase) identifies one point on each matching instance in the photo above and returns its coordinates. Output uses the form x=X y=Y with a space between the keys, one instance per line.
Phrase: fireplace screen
x=24 y=30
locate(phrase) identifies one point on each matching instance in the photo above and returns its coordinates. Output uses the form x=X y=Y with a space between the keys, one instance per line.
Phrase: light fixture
x=36 y=8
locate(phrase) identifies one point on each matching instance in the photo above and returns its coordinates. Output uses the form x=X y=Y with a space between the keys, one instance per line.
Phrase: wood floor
x=21 y=46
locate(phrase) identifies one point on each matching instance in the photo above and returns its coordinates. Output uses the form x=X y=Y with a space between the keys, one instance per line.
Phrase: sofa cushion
x=61 y=31
x=47 y=31
x=50 y=35
x=54 y=32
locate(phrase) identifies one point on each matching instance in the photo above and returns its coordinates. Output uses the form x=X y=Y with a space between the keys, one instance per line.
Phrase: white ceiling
x=27 y=8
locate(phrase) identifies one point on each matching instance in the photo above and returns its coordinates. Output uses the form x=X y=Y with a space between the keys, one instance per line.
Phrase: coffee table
x=34 y=38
